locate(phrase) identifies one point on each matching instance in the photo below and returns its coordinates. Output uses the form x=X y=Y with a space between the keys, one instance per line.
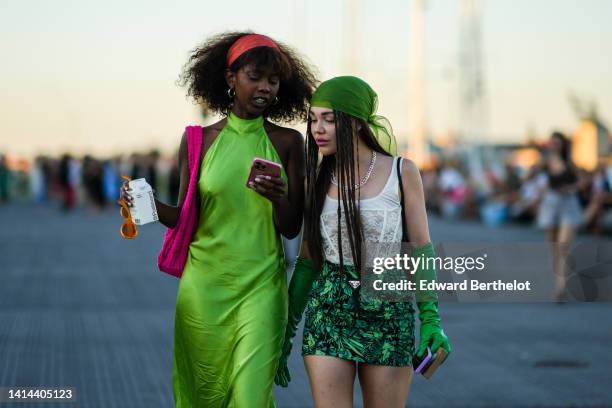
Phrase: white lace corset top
x=380 y=216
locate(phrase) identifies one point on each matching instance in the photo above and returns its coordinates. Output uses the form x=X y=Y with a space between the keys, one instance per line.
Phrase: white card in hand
x=144 y=210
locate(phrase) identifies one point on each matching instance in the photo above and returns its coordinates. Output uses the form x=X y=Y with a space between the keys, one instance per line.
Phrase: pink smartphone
x=263 y=167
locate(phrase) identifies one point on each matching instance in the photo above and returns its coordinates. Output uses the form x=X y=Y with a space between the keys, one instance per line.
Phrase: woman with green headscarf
x=354 y=196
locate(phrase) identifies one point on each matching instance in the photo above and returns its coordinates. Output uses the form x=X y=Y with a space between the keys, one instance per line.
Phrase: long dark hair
x=566 y=146
x=318 y=179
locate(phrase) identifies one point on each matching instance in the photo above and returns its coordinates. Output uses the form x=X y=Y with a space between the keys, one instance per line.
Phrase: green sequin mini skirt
x=340 y=323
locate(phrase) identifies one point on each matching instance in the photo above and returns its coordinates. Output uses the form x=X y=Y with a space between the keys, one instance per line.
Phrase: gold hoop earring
x=231 y=93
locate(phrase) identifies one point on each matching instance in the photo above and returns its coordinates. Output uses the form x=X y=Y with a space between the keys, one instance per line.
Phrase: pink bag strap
x=194 y=146
x=194 y=154
x=175 y=248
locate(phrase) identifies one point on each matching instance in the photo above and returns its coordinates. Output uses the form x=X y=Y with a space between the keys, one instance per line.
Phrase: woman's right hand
x=125 y=194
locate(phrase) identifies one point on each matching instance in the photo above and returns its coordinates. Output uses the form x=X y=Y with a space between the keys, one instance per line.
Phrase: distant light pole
x=417 y=141
x=472 y=90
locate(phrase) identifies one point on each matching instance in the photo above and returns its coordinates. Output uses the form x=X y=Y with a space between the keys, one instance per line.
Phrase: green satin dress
x=231 y=306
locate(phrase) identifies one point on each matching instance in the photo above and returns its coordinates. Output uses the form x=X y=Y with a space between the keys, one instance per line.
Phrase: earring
x=275 y=100
x=231 y=93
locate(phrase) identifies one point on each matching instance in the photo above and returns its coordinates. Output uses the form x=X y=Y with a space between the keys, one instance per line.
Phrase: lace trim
x=382 y=226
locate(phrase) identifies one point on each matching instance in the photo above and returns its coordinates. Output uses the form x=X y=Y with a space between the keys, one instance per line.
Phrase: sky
x=85 y=76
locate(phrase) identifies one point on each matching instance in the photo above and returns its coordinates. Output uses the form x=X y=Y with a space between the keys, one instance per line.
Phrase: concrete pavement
x=81 y=307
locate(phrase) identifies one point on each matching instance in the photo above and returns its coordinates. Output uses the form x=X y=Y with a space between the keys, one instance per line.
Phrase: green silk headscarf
x=355 y=97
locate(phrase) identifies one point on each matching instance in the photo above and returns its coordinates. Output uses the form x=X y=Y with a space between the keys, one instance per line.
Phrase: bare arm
x=304 y=252
x=288 y=206
x=168 y=215
x=288 y=212
x=414 y=205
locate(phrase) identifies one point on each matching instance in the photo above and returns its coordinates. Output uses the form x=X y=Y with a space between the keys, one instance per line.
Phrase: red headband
x=247 y=42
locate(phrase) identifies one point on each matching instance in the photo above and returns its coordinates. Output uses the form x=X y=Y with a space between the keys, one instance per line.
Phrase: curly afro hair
x=204 y=76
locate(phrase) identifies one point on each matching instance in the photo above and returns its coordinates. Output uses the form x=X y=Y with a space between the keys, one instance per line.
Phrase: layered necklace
x=364 y=179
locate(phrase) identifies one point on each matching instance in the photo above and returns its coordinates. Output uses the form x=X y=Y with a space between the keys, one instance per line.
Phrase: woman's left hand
x=272 y=188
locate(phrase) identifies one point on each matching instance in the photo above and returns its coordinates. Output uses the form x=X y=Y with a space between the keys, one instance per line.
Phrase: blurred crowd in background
x=70 y=182
x=508 y=187
x=512 y=192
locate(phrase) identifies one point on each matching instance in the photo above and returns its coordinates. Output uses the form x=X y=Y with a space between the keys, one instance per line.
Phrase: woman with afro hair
x=231 y=308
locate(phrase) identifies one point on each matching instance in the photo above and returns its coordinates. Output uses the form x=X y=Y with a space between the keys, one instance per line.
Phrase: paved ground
x=80 y=307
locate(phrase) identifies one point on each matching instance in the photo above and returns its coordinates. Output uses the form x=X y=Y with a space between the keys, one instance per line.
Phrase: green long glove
x=431 y=333
x=301 y=282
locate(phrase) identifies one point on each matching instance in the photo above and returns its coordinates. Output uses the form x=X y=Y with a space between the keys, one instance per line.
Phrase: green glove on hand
x=431 y=334
x=301 y=282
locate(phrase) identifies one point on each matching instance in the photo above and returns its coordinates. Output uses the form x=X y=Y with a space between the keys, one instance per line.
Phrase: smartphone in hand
x=263 y=167
x=429 y=362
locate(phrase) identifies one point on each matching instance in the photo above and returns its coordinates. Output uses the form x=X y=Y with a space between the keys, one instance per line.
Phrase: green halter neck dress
x=231 y=306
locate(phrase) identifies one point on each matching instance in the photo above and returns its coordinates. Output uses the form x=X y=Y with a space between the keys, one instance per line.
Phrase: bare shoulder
x=209 y=133
x=215 y=127
x=287 y=136
x=411 y=176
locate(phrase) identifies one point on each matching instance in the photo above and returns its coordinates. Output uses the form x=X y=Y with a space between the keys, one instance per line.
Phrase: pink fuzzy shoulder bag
x=173 y=254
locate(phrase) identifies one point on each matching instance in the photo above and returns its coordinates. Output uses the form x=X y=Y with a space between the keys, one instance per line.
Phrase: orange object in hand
x=128 y=229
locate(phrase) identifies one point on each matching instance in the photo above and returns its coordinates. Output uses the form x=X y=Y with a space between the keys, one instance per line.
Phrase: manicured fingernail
x=268 y=178
x=251 y=183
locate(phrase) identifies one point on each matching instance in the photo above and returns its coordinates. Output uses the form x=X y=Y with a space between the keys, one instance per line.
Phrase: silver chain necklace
x=364 y=179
